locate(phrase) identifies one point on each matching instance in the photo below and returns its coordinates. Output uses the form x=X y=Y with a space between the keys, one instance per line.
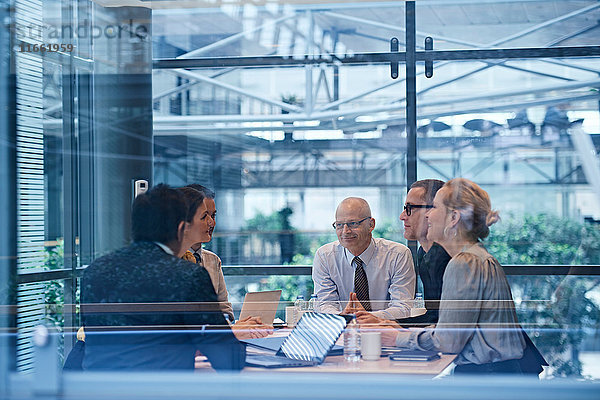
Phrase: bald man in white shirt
x=358 y=272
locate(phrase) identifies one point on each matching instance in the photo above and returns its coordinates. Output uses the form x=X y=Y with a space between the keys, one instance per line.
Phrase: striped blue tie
x=361 y=284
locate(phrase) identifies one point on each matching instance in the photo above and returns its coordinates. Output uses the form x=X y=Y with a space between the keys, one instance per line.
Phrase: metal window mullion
x=86 y=151
x=8 y=203
x=411 y=102
x=70 y=186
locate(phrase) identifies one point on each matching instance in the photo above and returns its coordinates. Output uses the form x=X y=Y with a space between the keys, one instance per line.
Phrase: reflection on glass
x=283 y=139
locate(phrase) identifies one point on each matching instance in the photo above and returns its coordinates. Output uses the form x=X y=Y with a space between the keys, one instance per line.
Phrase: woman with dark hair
x=199 y=229
x=197 y=220
x=477 y=318
x=201 y=232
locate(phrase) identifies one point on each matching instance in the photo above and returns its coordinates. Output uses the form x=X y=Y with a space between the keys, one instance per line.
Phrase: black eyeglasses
x=351 y=225
x=409 y=207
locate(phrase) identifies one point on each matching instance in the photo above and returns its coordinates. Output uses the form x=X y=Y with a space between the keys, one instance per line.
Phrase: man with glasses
x=431 y=257
x=359 y=272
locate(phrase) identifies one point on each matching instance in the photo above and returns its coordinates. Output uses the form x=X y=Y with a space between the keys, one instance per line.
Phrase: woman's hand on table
x=367 y=319
x=251 y=328
x=370 y=323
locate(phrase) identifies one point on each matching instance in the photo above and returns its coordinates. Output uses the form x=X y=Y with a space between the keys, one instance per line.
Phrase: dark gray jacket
x=144 y=309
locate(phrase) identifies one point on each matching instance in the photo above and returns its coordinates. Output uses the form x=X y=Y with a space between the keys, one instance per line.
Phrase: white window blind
x=30 y=176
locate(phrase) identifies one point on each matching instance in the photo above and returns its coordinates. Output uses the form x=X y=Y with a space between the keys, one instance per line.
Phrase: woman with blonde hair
x=477 y=318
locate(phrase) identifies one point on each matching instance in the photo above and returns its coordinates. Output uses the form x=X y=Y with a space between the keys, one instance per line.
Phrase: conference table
x=337 y=364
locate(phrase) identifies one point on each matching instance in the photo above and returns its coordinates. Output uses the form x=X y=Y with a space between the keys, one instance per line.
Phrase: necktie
x=361 y=284
x=198 y=258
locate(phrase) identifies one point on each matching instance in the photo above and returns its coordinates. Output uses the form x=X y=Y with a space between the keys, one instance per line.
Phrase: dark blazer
x=430 y=268
x=144 y=309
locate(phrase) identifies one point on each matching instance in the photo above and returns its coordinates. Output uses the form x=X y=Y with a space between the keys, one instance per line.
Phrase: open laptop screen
x=313 y=337
x=261 y=304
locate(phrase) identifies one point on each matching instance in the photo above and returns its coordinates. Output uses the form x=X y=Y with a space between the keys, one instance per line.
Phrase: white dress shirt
x=390 y=272
x=165 y=248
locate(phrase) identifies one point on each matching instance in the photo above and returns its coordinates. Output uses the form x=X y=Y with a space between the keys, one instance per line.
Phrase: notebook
x=261 y=304
x=308 y=344
x=414 y=355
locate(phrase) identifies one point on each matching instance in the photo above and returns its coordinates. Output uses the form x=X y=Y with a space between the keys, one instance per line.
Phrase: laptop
x=261 y=304
x=272 y=344
x=308 y=344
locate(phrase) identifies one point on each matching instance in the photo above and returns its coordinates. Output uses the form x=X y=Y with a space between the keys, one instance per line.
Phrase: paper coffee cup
x=370 y=345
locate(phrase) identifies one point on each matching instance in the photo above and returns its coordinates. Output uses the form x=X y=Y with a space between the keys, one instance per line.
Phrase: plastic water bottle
x=300 y=304
x=300 y=307
x=312 y=303
x=419 y=302
x=352 y=341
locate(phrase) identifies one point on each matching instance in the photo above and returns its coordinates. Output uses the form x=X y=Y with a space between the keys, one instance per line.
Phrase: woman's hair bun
x=492 y=217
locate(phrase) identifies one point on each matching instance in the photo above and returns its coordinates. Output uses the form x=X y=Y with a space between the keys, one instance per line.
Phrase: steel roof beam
x=388 y=26
x=196 y=76
x=162 y=128
x=382 y=57
x=366 y=110
x=233 y=38
x=545 y=24
x=395 y=28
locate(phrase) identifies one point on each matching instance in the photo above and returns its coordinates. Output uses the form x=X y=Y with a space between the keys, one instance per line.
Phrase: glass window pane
x=514 y=24
x=285 y=108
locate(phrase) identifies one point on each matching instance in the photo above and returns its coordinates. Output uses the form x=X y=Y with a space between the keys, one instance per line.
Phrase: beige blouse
x=212 y=263
x=477 y=313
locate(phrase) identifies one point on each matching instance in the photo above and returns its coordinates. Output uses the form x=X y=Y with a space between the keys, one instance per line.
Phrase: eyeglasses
x=409 y=207
x=351 y=225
